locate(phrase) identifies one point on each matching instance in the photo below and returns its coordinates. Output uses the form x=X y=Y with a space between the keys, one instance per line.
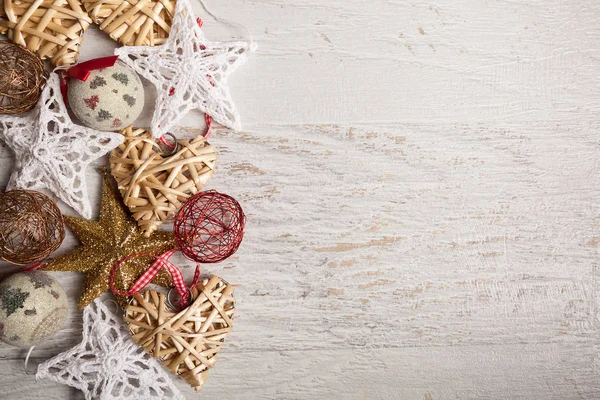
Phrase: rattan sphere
x=209 y=227
x=22 y=77
x=31 y=226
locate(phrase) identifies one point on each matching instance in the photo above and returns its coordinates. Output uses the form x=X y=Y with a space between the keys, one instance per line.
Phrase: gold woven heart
x=154 y=187
x=133 y=22
x=51 y=28
x=188 y=341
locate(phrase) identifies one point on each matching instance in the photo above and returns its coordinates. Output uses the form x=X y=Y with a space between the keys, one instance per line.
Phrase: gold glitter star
x=115 y=236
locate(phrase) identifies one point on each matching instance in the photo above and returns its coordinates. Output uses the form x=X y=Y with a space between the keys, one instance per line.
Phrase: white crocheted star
x=107 y=364
x=52 y=152
x=189 y=72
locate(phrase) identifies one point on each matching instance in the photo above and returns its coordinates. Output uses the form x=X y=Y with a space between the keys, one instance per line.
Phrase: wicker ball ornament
x=22 y=77
x=209 y=227
x=31 y=227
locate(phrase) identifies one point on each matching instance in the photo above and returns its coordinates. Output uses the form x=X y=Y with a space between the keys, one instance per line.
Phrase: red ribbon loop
x=164 y=141
x=82 y=71
x=208 y=119
x=150 y=274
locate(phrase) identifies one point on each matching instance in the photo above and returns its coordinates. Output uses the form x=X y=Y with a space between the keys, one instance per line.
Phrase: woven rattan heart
x=187 y=342
x=133 y=22
x=52 y=29
x=154 y=187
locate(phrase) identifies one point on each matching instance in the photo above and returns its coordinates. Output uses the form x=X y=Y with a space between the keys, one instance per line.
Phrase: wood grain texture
x=421 y=181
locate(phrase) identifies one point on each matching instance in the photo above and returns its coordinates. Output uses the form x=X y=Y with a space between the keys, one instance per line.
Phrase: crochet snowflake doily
x=52 y=152
x=189 y=72
x=107 y=364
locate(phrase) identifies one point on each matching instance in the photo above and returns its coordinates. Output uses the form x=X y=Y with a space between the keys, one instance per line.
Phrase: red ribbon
x=83 y=70
x=207 y=118
x=34 y=266
x=146 y=278
x=164 y=141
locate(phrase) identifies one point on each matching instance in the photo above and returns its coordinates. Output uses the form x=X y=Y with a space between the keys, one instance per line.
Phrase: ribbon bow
x=146 y=278
x=82 y=71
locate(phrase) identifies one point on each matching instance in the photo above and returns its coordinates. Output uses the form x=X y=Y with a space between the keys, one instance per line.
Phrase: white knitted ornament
x=53 y=153
x=189 y=72
x=107 y=364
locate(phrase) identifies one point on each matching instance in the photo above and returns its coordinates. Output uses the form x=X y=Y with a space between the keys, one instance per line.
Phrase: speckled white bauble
x=109 y=100
x=33 y=308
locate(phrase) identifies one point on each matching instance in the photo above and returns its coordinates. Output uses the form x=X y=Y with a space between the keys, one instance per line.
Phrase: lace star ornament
x=107 y=364
x=189 y=72
x=52 y=152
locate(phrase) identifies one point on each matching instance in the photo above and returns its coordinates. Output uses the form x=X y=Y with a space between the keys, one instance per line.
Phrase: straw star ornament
x=104 y=243
x=52 y=152
x=189 y=72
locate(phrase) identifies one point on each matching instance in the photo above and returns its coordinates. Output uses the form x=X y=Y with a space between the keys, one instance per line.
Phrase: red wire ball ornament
x=209 y=227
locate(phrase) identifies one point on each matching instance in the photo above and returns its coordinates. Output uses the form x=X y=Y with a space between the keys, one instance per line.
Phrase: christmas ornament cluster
x=153 y=204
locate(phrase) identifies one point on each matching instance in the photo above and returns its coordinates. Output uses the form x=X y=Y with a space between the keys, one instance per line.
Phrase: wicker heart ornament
x=51 y=28
x=188 y=341
x=154 y=186
x=133 y=22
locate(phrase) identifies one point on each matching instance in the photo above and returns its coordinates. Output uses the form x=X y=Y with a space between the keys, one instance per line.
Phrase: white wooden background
x=421 y=180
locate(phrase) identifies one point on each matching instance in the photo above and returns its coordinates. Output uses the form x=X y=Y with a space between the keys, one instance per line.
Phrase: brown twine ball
x=22 y=77
x=31 y=226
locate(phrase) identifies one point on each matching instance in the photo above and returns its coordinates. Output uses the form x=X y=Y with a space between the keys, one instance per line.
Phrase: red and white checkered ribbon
x=162 y=261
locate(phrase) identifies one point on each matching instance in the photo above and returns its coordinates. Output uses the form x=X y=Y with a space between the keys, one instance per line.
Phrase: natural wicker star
x=114 y=237
x=53 y=153
x=189 y=72
x=107 y=364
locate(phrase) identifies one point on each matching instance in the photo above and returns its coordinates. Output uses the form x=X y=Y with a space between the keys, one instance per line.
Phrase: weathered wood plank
x=516 y=371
